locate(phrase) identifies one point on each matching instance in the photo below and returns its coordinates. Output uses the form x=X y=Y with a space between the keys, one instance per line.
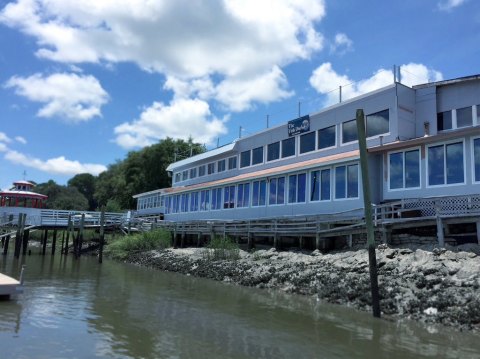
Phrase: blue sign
x=299 y=125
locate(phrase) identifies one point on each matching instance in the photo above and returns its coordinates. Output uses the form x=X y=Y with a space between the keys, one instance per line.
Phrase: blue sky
x=84 y=82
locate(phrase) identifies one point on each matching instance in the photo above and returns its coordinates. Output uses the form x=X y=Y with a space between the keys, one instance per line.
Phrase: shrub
x=220 y=248
x=139 y=242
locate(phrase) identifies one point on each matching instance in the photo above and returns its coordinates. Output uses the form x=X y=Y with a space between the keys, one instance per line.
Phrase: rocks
x=433 y=286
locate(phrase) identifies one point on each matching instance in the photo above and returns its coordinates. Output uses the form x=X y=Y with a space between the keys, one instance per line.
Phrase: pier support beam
x=26 y=237
x=478 y=232
x=54 y=241
x=45 y=237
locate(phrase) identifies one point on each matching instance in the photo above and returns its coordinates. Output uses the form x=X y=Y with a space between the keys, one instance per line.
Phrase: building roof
x=23 y=194
x=275 y=171
x=448 y=82
x=24 y=182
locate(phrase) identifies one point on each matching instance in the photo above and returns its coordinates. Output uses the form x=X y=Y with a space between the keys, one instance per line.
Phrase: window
x=201 y=171
x=478 y=115
x=193 y=172
x=288 y=147
x=211 y=168
x=243 y=195
x=185 y=175
x=257 y=155
x=326 y=137
x=232 y=163
x=296 y=188
x=349 y=131
x=229 y=197
x=404 y=169
x=258 y=195
x=184 y=204
x=377 y=123
x=221 y=166
x=194 y=202
x=445 y=164
x=216 y=198
x=464 y=117
x=346 y=181
x=273 y=151
x=177 y=177
x=204 y=200
x=444 y=121
x=307 y=142
x=176 y=203
x=277 y=191
x=320 y=185
x=245 y=159
x=476 y=159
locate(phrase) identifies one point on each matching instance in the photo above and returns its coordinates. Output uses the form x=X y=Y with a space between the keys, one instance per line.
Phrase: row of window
x=153 y=201
x=281 y=190
x=376 y=124
x=445 y=165
x=458 y=118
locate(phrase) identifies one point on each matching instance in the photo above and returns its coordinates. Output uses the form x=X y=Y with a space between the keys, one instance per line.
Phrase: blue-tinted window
x=288 y=147
x=277 y=191
x=445 y=164
x=320 y=185
x=221 y=166
x=205 y=200
x=216 y=198
x=257 y=155
x=340 y=182
x=476 y=158
x=193 y=172
x=194 y=202
x=211 y=168
x=326 y=137
x=349 y=131
x=245 y=159
x=232 y=163
x=454 y=162
x=307 y=142
x=185 y=175
x=325 y=185
x=243 y=195
x=412 y=169
x=229 y=197
x=377 y=123
x=396 y=170
x=464 y=117
x=201 y=171
x=444 y=121
x=273 y=151
x=436 y=165
x=258 y=193
x=297 y=188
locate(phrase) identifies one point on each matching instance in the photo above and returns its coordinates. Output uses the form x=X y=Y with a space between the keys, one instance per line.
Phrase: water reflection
x=79 y=309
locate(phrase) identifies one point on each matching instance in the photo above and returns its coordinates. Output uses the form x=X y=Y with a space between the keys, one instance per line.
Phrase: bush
x=220 y=248
x=156 y=239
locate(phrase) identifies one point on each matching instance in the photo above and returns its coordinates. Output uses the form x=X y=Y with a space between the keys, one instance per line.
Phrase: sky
x=82 y=83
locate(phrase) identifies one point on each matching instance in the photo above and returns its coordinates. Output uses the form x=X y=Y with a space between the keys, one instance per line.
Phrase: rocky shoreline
x=432 y=285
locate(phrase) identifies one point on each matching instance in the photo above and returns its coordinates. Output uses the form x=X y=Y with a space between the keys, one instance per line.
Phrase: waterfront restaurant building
x=21 y=195
x=422 y=142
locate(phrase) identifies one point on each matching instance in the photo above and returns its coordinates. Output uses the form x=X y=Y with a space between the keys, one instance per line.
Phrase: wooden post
x=5 y=245
x=478 y=232
x=69 y=230
x=18 y=239
x=372 y=259
x=80 y=235
x=54 y=241
x=63 y=242
x=26 y=237
x=199 y=239
x=102 y=235
x=440 y=235
x=45 y=237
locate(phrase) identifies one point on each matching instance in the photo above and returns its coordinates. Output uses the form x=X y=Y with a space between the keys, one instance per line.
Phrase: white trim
x=320 y=169
x=403 y=188
x=346 y=181
x=444 y=144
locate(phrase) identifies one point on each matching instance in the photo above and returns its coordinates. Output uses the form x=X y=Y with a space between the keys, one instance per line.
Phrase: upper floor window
x=378 y=123
x=277 y=191
x=257 y=155
x=178 y=177
x=320 y=185
x=404 y=169
x=446 y=164
x=185 y=175
x=193 y=172
x=273 y=151
x=296 y=188
x=464 y=117
x=346 y=181
x=476 y=160
x=478 y=115
x=307 y=142
x=444 y=121
x=221 y=166
x=245 y=159
x=327 y=137
x=349 y=131
x=232 y=163
x=211 y=168
x=201 y=171
x=288 y=147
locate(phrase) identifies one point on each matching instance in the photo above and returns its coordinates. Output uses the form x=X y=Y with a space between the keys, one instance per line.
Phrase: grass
x=220 y=248
x=139 y=242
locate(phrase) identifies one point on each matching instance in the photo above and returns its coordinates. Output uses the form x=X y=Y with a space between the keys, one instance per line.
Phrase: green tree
x=85 y=183
x=62 y=197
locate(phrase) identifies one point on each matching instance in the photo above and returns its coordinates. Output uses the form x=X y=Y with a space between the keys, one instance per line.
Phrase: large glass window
x=478 y=114
x=288 y=147
x=349 y=131
x=296 y=188
x=476 y=159
x=444 y=121
x=277 y=191
x=377 y=123
x=257 y=155
x=445 y=164
x=194 y=202
x=178 y=177
x=211 y=168
x=464 y=117
x=404 y=169
x=201 y=171
x=205 y=200
x=326 y=137
x=346 y=181
x=193 y=172
x=216 y=198
x=320 y=185
x=221 y=166
x=273 y=151
x=184 y=202
x=229 y=197
x=307 y=142
x=232 y=163
x=243 y=195
x=245 y=159
x=259 y=193
x=185 y=175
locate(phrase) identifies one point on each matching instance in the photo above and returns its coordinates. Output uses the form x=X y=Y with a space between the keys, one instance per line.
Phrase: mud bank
x=432 y=286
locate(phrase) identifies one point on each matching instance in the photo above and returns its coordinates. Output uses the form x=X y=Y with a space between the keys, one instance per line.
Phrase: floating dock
x=9 y=286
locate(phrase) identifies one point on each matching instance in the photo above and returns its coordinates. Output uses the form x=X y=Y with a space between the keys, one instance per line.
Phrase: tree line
x=141 y=171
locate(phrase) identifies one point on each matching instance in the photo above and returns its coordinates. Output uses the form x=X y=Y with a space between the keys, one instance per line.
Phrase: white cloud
x=326 y=81
x=59 y=165
x=3 y=147
x=341 y=44
x=72 y=97
x=448 y=5
x=182 y=118
x=225 y=40
x=4 y=138
x=21 y=139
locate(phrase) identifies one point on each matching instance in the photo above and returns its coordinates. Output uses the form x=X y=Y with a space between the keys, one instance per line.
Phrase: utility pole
x=372 y=259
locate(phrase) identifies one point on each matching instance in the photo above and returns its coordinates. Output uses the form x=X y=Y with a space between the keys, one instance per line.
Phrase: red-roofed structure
x=21 y=195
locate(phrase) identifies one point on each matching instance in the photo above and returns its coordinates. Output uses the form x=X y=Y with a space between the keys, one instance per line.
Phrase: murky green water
x=80 y=309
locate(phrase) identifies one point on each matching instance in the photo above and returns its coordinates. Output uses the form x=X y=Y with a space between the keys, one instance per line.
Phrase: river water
x=81 y=309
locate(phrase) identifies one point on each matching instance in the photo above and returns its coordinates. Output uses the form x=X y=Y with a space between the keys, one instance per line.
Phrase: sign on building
x=299 y=125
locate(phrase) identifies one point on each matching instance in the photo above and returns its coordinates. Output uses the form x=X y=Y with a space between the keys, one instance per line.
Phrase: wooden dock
x=9 y=286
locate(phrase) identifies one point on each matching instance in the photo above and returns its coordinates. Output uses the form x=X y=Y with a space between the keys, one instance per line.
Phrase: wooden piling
x=54 y=241
x=102 y=235
x=80 y=235
x=5 y=245
x=19 y=235
x=26 y=237
x=45 y=238
x=63 y=242
x=199 y=239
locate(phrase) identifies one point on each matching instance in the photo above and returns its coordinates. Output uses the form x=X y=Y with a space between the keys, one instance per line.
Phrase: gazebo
x=21 y=195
